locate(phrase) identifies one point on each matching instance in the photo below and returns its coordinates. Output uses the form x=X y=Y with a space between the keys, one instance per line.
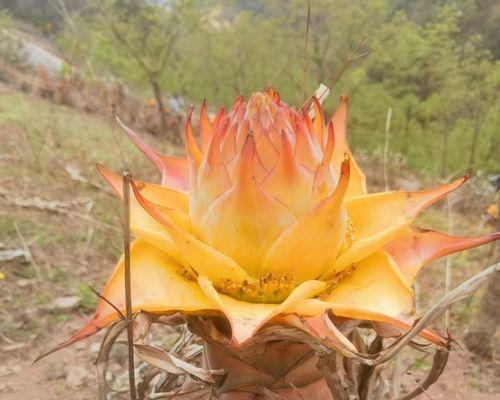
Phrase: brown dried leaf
x=167 y=362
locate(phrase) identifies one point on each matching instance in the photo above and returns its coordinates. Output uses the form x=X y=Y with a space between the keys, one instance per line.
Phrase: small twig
x=27 y=251
x=352 y=57
x=447 y=281
x=120 y=314
x=306 y=45
x=386 y=147
x=128 y=289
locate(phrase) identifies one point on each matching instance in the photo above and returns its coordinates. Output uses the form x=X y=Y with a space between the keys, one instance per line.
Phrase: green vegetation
x=435 y=63
x=435 y=66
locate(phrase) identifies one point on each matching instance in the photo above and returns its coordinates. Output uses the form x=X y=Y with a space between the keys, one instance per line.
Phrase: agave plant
x=265 y=241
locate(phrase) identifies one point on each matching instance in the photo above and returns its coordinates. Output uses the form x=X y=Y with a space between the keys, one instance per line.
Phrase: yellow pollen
x=270 y=288
x=333 y=281
x=350 y=235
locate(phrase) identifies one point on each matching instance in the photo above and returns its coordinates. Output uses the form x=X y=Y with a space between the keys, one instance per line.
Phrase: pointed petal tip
x=88 y=330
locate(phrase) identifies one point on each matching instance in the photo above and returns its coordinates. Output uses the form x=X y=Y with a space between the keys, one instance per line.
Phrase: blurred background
x=423 y=78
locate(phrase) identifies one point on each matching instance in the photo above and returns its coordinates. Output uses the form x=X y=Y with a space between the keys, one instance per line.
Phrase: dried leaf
x=199 y=394
x=167 y=362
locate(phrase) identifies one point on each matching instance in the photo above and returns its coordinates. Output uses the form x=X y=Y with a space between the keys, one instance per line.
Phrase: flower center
x=270 y=288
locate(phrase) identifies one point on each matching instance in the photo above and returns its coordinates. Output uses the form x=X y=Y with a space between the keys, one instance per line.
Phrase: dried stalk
x=128 y=289
x=438 y=364
x=386 y=148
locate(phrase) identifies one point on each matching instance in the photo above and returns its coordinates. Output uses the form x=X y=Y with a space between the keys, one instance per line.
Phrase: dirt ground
x=47 y=154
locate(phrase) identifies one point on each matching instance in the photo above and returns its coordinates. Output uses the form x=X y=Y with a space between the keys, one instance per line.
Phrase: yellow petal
x=376 y=285
x=204 y=259
x=357 y=183
x=289 y=182
x=245 y=221
x=378 y=218
x=157 y=286
x=374 y=291
x=307 y=248
x=246 y=318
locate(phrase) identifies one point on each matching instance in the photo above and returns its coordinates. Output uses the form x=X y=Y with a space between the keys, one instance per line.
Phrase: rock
x=76 y=376
x=95 y=347
x=66 y=303
x=9 y=370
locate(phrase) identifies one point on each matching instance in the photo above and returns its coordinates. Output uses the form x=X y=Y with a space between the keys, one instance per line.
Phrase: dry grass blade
x=173 y=365
x=438 y=364
x=102 y=360
x=462 y=291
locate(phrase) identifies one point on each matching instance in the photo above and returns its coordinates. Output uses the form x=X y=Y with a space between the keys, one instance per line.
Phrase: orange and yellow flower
x=269 y=215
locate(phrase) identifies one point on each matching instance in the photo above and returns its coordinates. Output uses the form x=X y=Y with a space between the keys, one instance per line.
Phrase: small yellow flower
x=492 y=211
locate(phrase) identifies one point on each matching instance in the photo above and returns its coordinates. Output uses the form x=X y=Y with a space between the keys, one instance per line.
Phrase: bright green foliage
x=432 y=64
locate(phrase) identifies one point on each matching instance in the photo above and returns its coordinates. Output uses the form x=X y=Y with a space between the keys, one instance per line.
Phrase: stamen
x=333 y=281
x=270 y=288
x=350 y=235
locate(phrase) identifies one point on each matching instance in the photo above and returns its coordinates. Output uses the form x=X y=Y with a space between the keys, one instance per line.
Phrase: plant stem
x=128 y=289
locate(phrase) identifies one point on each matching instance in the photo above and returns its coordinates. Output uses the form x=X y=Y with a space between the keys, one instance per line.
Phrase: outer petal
x=378 y=218
x=309 y=246
x=413 y=248
x=376 y=285
x=375 y=291
x=174 y=170
x=160 y=195
x=157 y=286
x=357 y=184
x=142 y=224
x=246 y=318
x=197 y=255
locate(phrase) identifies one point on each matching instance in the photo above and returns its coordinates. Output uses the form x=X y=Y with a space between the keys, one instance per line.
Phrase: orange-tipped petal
x=174 y=170
x=413 y=248
x=204 y=259
x=289 y=182
x=306 y=150
x=157 y=286
x=324 y=182
x=213 y=179
x=378 y=218
x=246 y=318
x=191 y=146
x=245 y=221
x=357 y=185
x=318 y=123
x=309 y=246
x=205 y=126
